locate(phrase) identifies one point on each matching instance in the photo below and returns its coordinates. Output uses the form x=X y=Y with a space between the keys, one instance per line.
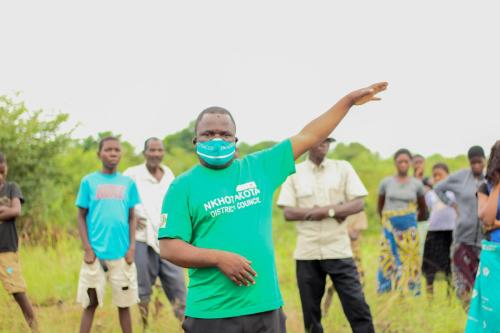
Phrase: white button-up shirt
x=332 y=182
x=152 y=193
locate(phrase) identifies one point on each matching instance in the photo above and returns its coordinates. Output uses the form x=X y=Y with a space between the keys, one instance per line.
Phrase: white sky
x=147 y=68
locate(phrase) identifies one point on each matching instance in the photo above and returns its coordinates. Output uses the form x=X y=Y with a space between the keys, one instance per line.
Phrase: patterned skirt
x=465 y=262
x=399 y=261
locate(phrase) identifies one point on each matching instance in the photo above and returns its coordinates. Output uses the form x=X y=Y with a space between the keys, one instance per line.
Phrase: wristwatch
x=331 y=213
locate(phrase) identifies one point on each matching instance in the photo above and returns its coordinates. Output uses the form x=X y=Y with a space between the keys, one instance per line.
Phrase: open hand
x=362 y=96
x=236 y=268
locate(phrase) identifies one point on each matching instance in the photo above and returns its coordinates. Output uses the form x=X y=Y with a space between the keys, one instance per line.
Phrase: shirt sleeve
x=83 y=197
x=176 y=219
x=382 y=188
x=452 y=197
x=133 y=195
x=16 y=192
x=428 y=199
x=287 y=197
x=277 y=162
x=446 y=185
x=354 y=187
x=420 y=189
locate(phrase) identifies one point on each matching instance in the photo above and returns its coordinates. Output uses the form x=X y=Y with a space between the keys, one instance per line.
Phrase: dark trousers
x=311 y=277
x=149 y=267
x=264 y=322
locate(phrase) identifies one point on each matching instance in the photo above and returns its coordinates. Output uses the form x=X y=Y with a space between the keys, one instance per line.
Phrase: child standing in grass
x=442 y=220
x=11 y=277
x=106 y=201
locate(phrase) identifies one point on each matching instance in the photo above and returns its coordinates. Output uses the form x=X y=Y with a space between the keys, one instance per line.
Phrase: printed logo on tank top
x=110 y=191
x=247 y=195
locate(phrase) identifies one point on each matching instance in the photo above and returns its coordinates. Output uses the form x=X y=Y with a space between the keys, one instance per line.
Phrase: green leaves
x=48 y=164
x=31 y=144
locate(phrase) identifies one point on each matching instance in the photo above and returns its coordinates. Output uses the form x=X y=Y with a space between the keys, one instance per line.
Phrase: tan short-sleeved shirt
x=332 y=182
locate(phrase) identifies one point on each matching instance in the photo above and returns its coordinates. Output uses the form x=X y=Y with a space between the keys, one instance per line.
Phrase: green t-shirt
x=230 y=210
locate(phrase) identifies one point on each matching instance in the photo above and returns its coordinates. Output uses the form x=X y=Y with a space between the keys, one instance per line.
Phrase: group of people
x=118 y=220
x=463 y=213
x=216 y=220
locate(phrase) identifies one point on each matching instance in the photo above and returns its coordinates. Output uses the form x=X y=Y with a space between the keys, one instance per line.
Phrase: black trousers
x=264 y=322
x=311 y=277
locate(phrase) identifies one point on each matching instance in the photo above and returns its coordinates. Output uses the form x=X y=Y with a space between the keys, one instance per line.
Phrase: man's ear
x=235 y=139
x=194 y=141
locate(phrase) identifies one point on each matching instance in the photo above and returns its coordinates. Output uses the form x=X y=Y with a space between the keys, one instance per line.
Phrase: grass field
x=52 y=274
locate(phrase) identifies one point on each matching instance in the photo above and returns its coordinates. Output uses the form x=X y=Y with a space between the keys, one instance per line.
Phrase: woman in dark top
x=485 y=302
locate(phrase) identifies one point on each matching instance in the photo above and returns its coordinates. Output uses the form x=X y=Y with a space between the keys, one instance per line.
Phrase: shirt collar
x=315 y=167
x=150 y=177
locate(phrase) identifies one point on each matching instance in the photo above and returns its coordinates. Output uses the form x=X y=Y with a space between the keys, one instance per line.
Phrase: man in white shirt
x=319 y=197
x=153 y=179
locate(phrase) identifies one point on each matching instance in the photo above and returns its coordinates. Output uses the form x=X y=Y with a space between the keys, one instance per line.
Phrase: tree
x=31 y=144
x=182 y=139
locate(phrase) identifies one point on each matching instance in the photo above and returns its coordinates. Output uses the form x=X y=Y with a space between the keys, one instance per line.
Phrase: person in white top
x=153 y=179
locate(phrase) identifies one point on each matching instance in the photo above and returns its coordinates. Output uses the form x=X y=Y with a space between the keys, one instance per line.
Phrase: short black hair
x=402 y=151
x=418 y=156
x=442 y=166
x=475 y=151
x=2 y=157
x=108 y=138
x=212 y=110
x=153 y=138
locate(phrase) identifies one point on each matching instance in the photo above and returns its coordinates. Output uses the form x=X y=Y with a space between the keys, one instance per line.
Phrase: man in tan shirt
x=319 y=197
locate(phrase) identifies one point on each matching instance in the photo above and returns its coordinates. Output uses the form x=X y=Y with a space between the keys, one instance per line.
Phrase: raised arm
x=452 y=184
x=320 y=128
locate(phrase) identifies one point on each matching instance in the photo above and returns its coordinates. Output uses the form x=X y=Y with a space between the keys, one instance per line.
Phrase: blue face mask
x=216 y=152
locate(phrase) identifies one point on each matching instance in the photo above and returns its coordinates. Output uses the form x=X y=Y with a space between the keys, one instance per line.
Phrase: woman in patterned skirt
x=400 y=204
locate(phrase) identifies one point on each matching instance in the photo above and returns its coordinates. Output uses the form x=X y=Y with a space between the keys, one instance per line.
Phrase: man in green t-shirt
x=216 y=220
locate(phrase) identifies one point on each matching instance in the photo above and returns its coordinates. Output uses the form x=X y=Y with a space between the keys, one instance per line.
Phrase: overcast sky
x=148 y=68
